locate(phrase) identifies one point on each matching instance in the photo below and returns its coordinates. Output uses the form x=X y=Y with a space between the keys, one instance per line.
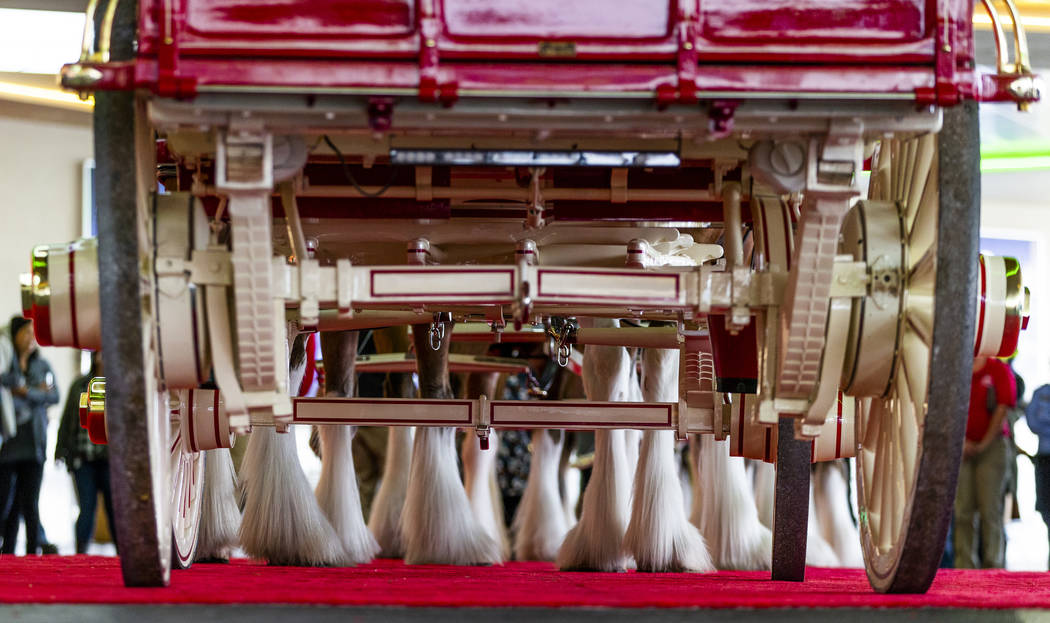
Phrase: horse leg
x=659 y=535
x=337 y=493
x=282 y=522
x=437 y=525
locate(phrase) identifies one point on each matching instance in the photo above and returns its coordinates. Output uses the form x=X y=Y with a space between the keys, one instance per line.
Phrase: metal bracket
x=482 y=421
x=535 y=219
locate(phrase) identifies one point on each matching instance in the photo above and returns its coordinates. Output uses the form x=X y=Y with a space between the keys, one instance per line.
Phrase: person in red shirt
x=985 y=467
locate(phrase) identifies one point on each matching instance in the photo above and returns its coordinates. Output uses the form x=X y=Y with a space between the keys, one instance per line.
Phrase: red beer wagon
x=792 y=188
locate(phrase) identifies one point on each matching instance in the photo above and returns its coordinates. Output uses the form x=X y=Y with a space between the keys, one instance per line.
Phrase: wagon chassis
x=833 y=314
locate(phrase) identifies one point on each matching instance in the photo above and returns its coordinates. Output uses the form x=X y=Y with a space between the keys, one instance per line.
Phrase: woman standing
x=32 y=386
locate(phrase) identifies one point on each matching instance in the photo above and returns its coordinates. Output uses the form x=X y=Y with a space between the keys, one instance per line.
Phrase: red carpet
x=88 y=579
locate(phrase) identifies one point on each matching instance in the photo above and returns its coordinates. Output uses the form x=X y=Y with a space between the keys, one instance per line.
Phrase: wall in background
x=40 y=172
x=1016 y=207
x=41 y=154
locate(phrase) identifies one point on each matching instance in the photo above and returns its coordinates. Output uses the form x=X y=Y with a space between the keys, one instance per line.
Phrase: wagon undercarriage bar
x=596 y=119
x=574 y=415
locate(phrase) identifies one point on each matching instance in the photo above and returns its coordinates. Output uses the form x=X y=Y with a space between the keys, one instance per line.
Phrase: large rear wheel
x=921 y=223
x=138 y=412
x=137 y=409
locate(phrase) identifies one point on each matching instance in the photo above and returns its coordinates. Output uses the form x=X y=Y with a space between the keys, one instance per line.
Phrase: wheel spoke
x=922 y=231
x=912 y=388
x=926 y=148
x=919 y=316
x=177 y=484
x=880 y=175
x=874 y=441
x=895 y=170
x=922 y=274
x=884 y=473
x=898 y=490
x=907 y=172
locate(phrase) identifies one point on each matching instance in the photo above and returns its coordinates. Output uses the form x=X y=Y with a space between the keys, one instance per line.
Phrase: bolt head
x=787 y=158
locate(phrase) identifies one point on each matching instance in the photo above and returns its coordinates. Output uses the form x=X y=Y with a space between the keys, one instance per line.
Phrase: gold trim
x=96 y=395
x=1015 y=299
x=40 y=286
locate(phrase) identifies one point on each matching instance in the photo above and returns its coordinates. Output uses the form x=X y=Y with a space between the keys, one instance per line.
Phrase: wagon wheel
x=791 y=490
x=137 y=407
x=912 y=399
x=187 y=478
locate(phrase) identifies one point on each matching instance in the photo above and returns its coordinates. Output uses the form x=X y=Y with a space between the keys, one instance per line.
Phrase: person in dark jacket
x=87 y=462
x=32 y=386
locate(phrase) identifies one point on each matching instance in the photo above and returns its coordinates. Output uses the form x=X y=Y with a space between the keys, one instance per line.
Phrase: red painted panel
x=814 y=20
x=300 y=18
x=558 y=19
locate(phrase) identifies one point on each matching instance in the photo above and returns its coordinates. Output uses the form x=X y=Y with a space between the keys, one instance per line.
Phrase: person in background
x=1037 y=414
x=32 y=386
x=87 y=462
x=984 y=475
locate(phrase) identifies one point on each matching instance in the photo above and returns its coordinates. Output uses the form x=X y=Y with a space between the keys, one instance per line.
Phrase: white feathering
x=724 y=508
x=831 y=507
x=385 y=518
x=541 y=523
x=632 y=438
x=764 y=477
x=659 y=534
x=282 y=522
x=596 y=542
x=818 y=552
x=479 y=479
x=338 y=496
x=437 y=524
x=220 y=517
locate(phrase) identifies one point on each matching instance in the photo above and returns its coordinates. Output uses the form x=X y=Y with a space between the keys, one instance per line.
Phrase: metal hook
x=564 y=351
x=436 y=335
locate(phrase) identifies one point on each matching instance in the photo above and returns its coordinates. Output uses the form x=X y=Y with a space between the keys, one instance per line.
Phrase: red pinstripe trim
x=510 y=422
x=980 y=317
x=192 y=416
x=73 y=298
x=215 y=414
x=311 y=366
x=541 y=273
x=838 y=432
x=372 y=285
x=787 y=233
x=765 y=232
x=740 y=427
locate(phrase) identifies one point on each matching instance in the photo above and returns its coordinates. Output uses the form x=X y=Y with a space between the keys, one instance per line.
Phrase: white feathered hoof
x=385 y=519
x=659 y=535
x=479 y=479
x=540 y=524
x=437 y=523
x=724 y=508
x=337 y=494
x=282 y=522
x=831 y=506
x=596 y=542
x=220 y=517
x=764 y=476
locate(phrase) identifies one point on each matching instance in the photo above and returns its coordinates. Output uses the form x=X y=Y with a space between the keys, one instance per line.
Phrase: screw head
x=787 y=158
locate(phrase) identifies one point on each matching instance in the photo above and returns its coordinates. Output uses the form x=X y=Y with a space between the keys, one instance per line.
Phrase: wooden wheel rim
x=890 y=427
